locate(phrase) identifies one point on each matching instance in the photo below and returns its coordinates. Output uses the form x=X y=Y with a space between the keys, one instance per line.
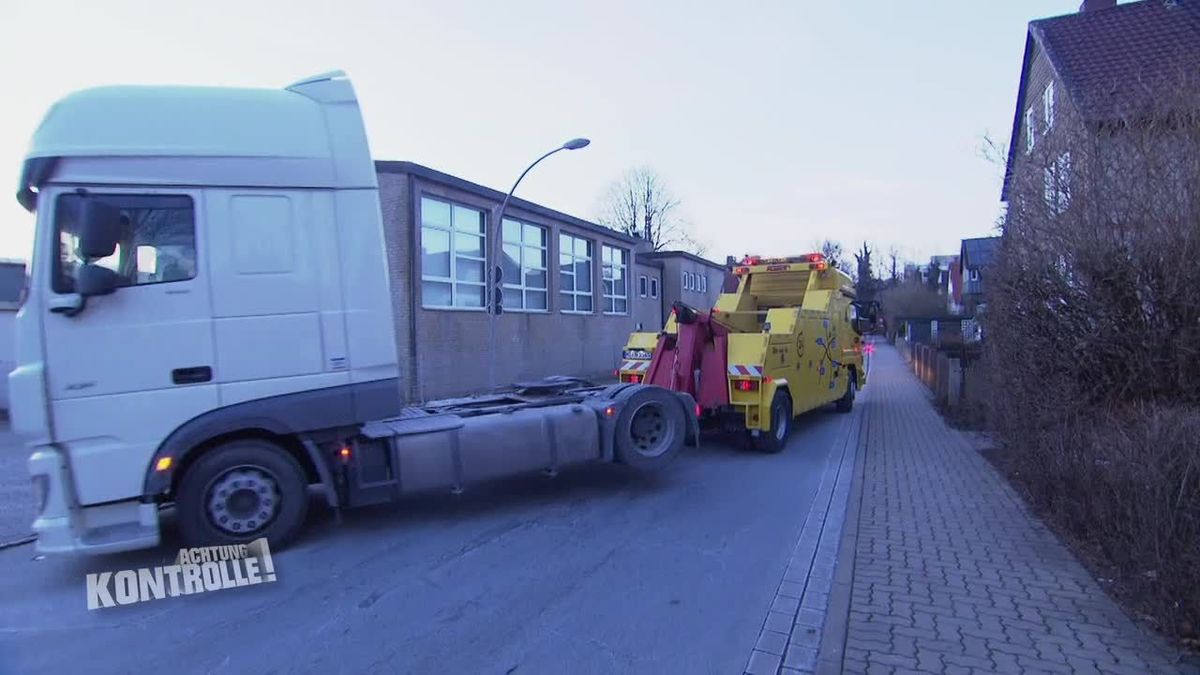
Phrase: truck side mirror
x=95 y=280
x=99 y=229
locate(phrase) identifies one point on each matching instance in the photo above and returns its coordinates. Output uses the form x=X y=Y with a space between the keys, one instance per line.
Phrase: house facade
x=686 y=277
x=1087 y=81
x=13 y=285
x=976 y=257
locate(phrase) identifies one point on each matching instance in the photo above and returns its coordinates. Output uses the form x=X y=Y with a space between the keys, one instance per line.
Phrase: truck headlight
x=41 y=492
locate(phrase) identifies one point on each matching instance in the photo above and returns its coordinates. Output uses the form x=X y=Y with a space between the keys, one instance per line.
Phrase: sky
x=776 y=123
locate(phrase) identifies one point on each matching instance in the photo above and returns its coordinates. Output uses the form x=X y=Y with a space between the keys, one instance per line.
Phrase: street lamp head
x=576 y=143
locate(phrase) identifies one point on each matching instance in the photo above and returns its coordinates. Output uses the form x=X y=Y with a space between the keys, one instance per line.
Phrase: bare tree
x=865 y=283
x=832 y=250
x=640 y=204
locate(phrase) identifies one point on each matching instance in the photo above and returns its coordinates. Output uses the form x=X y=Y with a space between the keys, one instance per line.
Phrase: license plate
x=637 y=355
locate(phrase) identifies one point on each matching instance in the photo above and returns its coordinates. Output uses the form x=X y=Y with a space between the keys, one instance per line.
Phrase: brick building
x=573 y=290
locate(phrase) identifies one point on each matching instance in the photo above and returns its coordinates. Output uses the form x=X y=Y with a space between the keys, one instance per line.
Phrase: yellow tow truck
x=790 y=339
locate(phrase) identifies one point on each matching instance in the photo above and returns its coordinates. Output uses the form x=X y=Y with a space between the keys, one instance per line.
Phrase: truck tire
x=650 y=429
x=240 y=491
x=846 y=403
x=776 y=439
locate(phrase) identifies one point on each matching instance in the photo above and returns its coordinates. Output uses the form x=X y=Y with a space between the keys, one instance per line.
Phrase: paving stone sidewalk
x=946 y=571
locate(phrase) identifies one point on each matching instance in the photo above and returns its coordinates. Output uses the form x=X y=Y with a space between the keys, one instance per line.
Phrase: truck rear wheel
x=776 y=439
x=241 y=491
x=846 y=403
x=650 y=429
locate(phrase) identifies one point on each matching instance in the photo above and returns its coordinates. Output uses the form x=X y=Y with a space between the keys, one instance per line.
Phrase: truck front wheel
x=776 y=438
x=240 y=491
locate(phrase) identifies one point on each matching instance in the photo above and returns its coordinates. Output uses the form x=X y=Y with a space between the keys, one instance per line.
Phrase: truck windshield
x=157 y=243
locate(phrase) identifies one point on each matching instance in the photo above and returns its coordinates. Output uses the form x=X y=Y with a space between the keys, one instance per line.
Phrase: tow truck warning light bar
x=816 y=261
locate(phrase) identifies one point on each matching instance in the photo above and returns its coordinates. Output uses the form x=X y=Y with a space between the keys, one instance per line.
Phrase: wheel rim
x=650 y=431
x=243 y=500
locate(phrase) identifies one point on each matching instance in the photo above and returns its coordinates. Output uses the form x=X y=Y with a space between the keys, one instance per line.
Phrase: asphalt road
x=599 y=570
x=16 y=492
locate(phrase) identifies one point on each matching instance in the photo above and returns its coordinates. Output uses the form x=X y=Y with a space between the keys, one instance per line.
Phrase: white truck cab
x=209 y=326
x=249 y=264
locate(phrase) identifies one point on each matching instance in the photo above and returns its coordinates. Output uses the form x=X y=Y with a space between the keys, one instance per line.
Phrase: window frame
x=1056 y=183
x=972 y=275
x=654 y=287
x=703 y=283
x=623 y=256
x=574 y=294
x=56 y=263
x=643 y=286
x=1048 y=110
x=521 y=288
x=452 y=231
x=1030 y=130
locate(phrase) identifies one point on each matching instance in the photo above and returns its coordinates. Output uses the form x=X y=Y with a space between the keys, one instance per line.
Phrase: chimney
x=1093 y=5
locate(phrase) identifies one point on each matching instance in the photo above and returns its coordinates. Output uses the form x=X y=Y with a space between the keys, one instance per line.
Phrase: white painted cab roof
x=309 y=134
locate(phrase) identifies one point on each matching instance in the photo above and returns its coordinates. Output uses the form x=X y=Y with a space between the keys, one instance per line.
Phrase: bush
x=1126 y=487
x=1093 y=328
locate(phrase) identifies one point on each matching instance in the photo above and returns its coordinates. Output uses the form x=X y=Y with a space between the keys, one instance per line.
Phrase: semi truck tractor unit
x=209 y=328
x=790 y=339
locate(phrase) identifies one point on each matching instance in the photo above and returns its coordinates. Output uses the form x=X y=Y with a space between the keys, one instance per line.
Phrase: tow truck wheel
x=776 y=439
x=241 y=491
x=650 y=429
x=846 y=403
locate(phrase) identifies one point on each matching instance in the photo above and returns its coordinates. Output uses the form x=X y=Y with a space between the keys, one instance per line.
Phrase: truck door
x=125 y=369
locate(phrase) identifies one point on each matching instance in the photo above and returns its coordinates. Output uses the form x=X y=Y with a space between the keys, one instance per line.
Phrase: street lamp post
x=495 y=272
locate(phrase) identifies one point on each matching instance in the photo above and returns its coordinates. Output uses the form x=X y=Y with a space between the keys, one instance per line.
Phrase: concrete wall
x=673 y=269
x=648 y=310
x=446 y=352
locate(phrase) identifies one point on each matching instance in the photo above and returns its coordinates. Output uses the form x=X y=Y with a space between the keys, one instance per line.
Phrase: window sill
x=441 y=308
x=576 y=312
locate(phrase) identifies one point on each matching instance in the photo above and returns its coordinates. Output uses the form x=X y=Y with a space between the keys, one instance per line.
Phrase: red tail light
x=746 y=385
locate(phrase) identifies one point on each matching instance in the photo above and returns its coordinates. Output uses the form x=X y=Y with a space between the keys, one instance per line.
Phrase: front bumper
x=63 y=526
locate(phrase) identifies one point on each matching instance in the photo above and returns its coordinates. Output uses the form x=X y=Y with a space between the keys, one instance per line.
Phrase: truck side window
x=157 y=244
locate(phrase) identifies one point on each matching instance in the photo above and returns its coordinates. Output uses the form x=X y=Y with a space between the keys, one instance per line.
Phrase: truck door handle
x=191 y=375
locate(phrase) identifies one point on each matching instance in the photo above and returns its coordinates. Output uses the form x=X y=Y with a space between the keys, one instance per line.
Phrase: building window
x=575 y=273
x=703 y=283
x=642 y=286
x=1048 y=108
x=653 y=288
x=1030 y=130
x=1057 y=183
x=973 y=275
x=452 y=261
x=616 y=279
x=524 y=265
